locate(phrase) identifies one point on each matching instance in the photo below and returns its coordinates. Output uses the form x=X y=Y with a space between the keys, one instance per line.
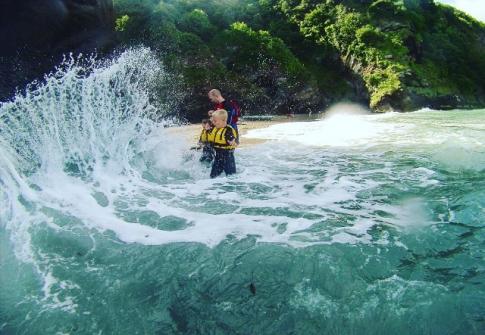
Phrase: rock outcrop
x=36 y=33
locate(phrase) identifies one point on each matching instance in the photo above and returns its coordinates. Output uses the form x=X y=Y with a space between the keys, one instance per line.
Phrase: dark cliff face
x=36 y=33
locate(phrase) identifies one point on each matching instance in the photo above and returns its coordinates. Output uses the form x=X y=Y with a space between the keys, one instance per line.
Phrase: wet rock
x=36 y=33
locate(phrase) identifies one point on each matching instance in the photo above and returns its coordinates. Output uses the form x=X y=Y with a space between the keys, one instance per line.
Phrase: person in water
x=231 y=107
x=204 y=141
x=223 y=137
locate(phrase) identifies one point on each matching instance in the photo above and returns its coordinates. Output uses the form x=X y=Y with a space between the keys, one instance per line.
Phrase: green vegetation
x=245 y=47
x=296 y=55
x=121 y=23
x=400 y=48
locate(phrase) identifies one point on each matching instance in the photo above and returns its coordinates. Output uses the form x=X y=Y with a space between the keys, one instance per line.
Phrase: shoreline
x=191 y=132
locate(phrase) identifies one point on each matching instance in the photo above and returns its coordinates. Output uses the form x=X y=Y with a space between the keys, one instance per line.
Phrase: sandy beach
x=192 y=131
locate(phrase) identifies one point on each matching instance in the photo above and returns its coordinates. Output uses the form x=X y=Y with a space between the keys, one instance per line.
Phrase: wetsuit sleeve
x=230 y=112
x=229 y=135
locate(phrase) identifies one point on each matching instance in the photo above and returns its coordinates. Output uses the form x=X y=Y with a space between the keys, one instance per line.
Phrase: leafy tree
x=304 y=54
x=197 y=22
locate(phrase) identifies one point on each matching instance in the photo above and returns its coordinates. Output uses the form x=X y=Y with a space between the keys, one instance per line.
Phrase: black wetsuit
x=224 y=160
x=207 y=153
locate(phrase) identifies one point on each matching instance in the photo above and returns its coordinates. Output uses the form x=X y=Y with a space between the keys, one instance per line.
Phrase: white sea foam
x=455 y=142
x=335 y=130
x=83 y=123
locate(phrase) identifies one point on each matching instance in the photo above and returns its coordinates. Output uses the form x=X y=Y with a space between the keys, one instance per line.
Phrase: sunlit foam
x=340 y=109
x=344 y=125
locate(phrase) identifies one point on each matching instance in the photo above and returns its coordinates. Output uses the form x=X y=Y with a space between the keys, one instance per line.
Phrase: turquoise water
x=352 y=224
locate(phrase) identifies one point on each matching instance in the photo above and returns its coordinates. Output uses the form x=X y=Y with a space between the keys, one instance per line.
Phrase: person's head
x=215 y=96
x=219 y=118
x=206 y=124
x=210 y=115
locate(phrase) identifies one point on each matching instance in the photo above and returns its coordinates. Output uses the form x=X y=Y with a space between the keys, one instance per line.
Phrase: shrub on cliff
x=401 y=49
x=197 y=22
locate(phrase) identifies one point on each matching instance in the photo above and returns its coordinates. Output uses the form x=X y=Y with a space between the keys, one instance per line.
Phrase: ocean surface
x=354 y=223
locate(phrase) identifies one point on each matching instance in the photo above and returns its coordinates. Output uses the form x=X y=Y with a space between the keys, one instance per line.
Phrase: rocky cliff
x=36 y=33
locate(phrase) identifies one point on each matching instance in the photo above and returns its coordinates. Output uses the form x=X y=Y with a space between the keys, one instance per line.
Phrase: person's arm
x=230 y=137
x=230 y=111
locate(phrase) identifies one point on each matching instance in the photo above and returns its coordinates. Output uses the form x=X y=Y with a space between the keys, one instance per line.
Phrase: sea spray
x=84 y=112
x=84 y=120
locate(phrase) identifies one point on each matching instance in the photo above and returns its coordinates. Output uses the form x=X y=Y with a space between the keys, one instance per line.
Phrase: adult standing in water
x=231 y=106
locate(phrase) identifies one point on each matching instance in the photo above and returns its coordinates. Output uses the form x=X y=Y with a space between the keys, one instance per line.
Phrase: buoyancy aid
x=222 y=136
x=206 y=136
